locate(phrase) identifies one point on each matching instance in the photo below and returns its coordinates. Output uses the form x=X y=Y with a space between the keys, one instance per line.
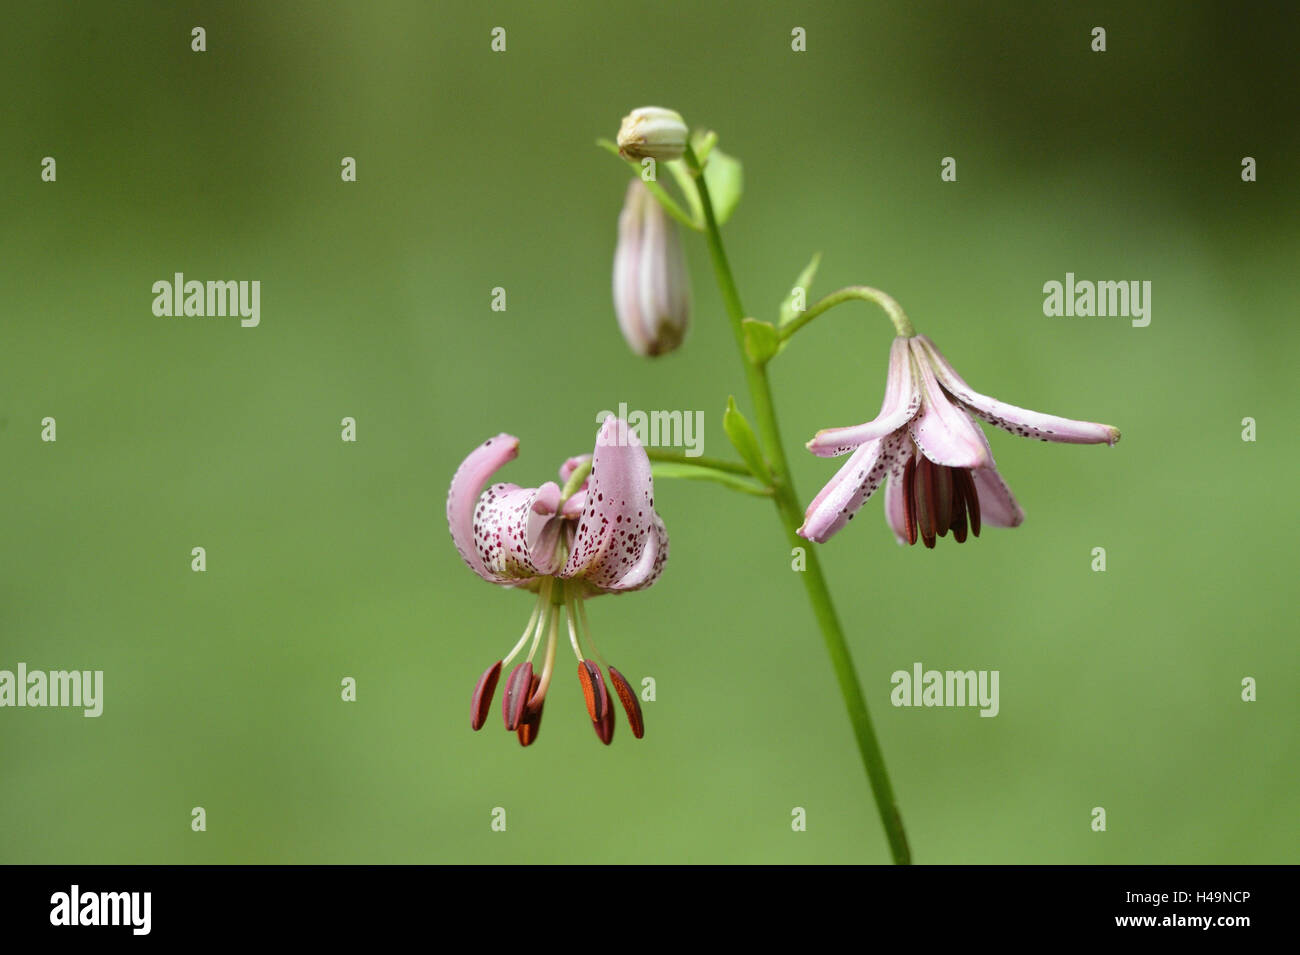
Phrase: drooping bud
x=652 y=131
x=652 y=288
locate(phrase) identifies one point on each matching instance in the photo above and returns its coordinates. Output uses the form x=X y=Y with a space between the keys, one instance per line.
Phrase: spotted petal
x=998 y=506
x=615 y=529
x=943 y=431
x=850 y=488
x=1018 y=421
x=896 y=506
x=515 y=533
x=466 y=486
x=573 y=506
x=651 y=563
x=902 y=400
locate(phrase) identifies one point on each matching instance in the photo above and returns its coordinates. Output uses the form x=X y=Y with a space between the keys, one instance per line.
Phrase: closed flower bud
x=652 y=131
x=652 y=288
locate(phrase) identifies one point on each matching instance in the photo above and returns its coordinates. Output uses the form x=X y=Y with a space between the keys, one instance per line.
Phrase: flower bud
x=652 y=288
x=652 y=131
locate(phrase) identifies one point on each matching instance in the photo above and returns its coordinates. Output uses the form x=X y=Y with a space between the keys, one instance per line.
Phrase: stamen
x=909 y=498
x=531 y=724
x=539 y=694
x=972 y=499
x=586 y=633
x=542 y=594
x=942 y=499
x=605 y=728
x=481 y=701
x=569 y=600
x=516 y=695
x=545 y=600
x=925 y=500
x=593 y=690
x=631 y=704
x=958 y=523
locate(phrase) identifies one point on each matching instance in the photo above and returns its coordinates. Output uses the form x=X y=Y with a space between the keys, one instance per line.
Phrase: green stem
x=787 y=504
x=861 y=292
x=691 y=472
x=656 y=190
x=717 y=464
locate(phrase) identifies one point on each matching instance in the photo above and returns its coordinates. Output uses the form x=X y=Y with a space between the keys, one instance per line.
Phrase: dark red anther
x=958 y=509
x=631 y=704
x=531 y=723
x=605 y=727
x=970 y=496
x=909 y=499
x=925 y=501
x=481 y=701
x=518 y=689
x=593 y=690
x=942 y=499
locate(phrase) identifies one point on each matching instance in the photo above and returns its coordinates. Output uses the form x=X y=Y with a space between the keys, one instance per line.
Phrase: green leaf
x=743 y=440
x=804 y=281
x=702 y=142
x=695 y=472
x=762 y=340
x=726 y=181
x=724 y=177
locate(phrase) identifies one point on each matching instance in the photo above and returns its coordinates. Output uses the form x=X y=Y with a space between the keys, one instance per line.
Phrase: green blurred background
x=478 y=169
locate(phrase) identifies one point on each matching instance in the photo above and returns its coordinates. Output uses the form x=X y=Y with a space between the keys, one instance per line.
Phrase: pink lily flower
x=605 y=537
x=940 y=470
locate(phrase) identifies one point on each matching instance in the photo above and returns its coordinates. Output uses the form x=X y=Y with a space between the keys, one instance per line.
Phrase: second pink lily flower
x=936 y=461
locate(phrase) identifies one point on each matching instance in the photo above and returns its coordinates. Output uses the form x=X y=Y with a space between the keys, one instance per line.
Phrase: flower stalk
x=902 y=325
x=791 y=516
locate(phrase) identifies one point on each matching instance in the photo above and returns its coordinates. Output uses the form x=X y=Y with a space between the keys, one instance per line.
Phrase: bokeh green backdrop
x=477 y=170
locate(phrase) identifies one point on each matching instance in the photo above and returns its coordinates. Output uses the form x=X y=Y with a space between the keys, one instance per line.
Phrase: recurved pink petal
x=998 y=507
x=1018 y=421
x=573 y=506
x=515 y=532
x=466 y=486
x=850 y=488
x=618 y=516
x=896 y=506
x=942 y=430
x=902 y=400
x=650 y=564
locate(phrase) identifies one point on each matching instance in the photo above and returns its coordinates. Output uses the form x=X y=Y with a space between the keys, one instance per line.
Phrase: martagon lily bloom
x=605 y=537
x=940 y=471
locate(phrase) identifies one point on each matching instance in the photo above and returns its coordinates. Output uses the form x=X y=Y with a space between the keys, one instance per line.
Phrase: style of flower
x=939 y=468
x=603 y=537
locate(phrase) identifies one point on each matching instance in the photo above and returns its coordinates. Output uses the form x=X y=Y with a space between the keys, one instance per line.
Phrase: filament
x=549 y=667
x=544 y=598
x=586 y=632
x=570 y=600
